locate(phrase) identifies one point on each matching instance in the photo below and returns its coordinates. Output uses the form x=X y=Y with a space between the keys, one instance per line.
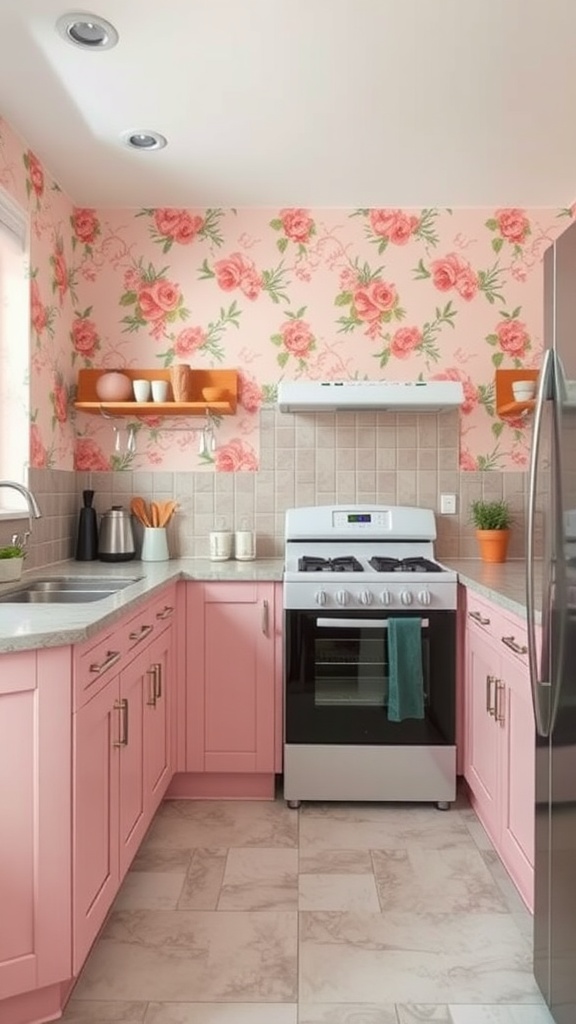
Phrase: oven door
x=336 y=677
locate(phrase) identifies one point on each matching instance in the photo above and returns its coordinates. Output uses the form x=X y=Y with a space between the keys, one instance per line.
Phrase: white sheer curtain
x=14 y=345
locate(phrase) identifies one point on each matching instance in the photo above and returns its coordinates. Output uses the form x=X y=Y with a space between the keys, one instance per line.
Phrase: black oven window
x=351 y=667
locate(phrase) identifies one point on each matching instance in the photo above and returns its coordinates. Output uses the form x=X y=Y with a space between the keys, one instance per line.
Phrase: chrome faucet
x=33 y=507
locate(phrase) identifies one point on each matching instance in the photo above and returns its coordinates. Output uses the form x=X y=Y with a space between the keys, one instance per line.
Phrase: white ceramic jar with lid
x=220 y=541
x=245 y=542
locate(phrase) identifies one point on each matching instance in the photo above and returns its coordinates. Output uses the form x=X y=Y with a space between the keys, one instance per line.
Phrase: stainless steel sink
x=68 y=589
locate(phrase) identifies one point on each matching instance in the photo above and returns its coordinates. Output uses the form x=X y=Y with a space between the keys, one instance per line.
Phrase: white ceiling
x=301 y=102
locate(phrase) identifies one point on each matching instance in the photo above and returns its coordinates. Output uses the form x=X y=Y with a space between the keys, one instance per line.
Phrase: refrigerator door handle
x=536 y=683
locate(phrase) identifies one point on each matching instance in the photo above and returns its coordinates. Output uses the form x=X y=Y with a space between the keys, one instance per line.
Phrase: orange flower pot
x=493 y=544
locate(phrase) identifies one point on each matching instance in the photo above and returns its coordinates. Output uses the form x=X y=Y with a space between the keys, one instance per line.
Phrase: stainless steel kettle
x=116 y=537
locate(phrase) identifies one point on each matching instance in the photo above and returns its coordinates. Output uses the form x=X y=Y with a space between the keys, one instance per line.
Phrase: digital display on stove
x=358 y=517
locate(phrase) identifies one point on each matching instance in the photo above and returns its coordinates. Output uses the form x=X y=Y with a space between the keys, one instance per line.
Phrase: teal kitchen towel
x=405 y=677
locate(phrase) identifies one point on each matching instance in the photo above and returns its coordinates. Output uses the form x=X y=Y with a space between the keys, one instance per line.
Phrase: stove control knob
x=406 y=597
x=320 y=597
x=386 y=597
x=424 y=596
x=342 y=596
x=365 y=597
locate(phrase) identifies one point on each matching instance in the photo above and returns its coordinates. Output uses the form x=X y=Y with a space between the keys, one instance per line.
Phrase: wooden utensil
x=139 y=509
x=167 y=510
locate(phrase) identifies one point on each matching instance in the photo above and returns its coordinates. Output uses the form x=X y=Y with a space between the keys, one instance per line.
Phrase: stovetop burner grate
x=345 y=563
x=382 y=563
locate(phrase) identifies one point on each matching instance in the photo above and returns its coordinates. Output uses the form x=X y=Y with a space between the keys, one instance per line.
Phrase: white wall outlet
x=448 y=504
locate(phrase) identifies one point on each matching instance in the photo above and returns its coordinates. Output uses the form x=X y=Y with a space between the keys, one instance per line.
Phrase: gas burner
x=382 y=564
x=345 y=563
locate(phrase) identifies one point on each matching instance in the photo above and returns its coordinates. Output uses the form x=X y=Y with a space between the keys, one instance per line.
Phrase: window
x=14 y=347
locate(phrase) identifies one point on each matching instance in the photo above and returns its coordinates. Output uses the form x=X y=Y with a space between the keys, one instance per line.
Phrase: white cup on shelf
x=159 y=390
x=523 y=390
x=141 y=389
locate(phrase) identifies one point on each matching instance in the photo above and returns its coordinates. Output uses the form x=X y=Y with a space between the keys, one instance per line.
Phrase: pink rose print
x=249 y=393
x=36 y=173
x=38 y=453
x=453 y=272
x=235 y=456
x=60 y=273
x=60 y=402
x=89 y=456
x=238 y=272
x=131 y=279
x=158 y=298
x=513 y=337
x=85 y=225
x=38 y=311
x=371 y=300
x=297 y=338
x=178 y=225
x=471 y=396
x=467 y=461
x=189 y=341
x=404 y=341
x=513 y=224
x=297 y=224
x=84 y=337
x=395 y=225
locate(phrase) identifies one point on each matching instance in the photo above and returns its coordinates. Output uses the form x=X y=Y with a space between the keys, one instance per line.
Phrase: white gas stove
x=362 y=556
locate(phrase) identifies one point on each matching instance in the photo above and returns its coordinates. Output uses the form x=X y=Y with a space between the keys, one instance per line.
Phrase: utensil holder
x=155 y=544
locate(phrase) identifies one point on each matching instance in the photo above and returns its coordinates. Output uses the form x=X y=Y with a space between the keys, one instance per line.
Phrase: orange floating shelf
x=506 y=404
x=226 y=380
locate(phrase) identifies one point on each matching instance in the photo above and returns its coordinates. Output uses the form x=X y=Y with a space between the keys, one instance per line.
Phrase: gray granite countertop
x=504 y=584
x=26 y=626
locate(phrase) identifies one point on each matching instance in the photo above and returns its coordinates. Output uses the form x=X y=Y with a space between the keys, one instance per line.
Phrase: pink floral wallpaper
x=323 y=293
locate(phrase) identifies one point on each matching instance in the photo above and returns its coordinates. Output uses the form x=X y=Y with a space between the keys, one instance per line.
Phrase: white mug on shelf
x=141 y=389
x=523 y=390
x=159 y=390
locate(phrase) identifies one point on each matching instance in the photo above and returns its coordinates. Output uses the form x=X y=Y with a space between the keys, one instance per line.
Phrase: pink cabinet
x=35 y=717
x=499 y=754
x=231 y=689
x=121 y=757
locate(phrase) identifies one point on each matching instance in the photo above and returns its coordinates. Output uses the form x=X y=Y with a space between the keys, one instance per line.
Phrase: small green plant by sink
x=12 y=551
x=491 y=515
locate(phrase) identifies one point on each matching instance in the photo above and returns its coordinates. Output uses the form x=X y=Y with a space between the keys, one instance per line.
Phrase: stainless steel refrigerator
x=551 y=537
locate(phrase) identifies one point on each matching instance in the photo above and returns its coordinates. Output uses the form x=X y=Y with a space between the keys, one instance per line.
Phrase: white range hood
x=327 y=396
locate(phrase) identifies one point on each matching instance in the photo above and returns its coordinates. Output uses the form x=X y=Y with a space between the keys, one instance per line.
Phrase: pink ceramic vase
x=114 y=387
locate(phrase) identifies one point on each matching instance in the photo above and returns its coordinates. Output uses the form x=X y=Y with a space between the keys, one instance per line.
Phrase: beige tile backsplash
x=306 y=459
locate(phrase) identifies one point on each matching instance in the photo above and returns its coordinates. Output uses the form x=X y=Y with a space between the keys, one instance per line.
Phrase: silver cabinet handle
x=490 y=680
x=140 y=634
x=166 y=612
x=510 y=642
x=499 y=712
x=151 y=672
x=265 y=617
x=111 y=658
x=479 y=618
x=122 y=707
x=157 y=680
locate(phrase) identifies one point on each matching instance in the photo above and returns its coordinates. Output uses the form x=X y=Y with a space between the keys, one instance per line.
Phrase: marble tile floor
x=252 y=913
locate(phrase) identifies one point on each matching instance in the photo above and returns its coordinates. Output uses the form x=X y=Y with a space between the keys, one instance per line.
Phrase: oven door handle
x=357 y=623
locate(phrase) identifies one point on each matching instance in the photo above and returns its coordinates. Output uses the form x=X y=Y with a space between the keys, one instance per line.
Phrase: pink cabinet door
x=518 y=754
x=97 y=731
x=134 y=691
x=35 y=738
x=239 y=675
x=482 y=736
x=157 y=723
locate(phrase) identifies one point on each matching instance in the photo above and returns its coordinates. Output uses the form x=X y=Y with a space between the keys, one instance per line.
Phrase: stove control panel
x=357 y=595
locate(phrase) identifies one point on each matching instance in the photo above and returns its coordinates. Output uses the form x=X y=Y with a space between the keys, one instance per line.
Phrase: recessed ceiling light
x=87 y=30
x=145 y=140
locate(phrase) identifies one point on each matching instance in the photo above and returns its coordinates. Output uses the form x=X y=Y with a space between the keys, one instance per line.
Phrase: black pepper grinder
x=87 y=542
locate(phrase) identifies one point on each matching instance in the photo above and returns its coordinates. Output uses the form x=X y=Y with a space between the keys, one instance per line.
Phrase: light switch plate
x=448 y=504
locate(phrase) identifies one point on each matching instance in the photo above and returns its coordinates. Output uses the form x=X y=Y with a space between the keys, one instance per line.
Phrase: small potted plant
x=492 y=520
x=11 y=562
